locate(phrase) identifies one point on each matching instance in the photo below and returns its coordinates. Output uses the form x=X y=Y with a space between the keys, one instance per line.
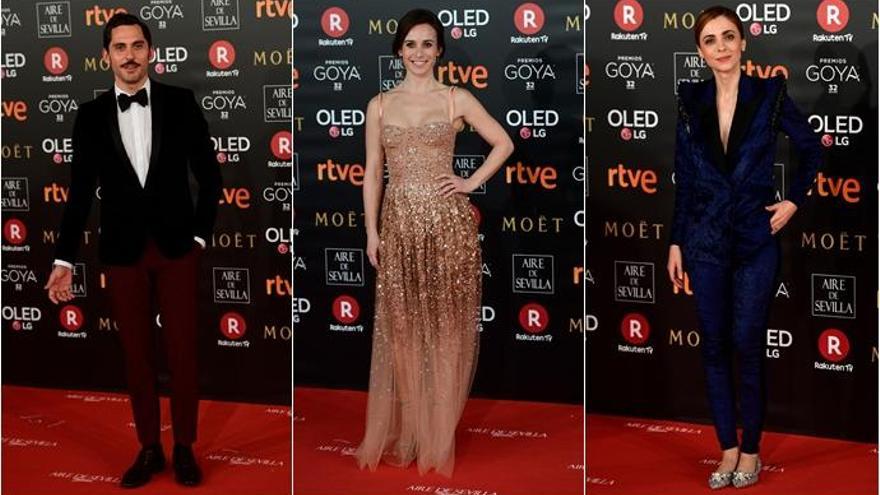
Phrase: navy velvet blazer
x=720 y=198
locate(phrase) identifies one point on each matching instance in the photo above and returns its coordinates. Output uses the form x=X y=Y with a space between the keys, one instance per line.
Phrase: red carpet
x=503 y=448
x=68 y=442
x=631 y=456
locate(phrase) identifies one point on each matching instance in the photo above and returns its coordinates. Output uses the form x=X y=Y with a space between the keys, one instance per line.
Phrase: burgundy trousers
x=175 y=283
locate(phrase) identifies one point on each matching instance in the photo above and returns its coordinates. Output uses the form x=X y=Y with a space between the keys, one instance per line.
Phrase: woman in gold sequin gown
x=427 y=255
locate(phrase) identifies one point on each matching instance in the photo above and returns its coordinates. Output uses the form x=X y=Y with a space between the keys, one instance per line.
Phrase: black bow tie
x=125 y=100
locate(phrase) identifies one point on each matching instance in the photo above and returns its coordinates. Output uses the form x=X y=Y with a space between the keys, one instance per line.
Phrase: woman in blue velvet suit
x=725 y=221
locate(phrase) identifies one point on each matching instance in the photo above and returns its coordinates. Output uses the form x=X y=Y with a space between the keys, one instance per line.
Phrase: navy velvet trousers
x=733 y=304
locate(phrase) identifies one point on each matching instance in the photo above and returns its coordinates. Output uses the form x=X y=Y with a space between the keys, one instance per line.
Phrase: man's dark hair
x=125 y=19
x=414 y=18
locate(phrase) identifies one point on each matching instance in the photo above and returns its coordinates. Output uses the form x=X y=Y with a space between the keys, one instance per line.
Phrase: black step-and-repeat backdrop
x=236 y=56
x=524 y=62
x=821 y=344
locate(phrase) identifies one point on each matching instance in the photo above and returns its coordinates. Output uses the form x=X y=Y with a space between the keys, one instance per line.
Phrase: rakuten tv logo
x=233 y=326
x=534 y=318
x=282 y=145
x=335 y=22
x=221 y=54
x=528 y=18
x=532 y=123
x=628 y=15
x=764 y=19
x=832 y=15
x=56 y=61
x=71 y=318
x=14 y=232
x=633 y=124
x=340 y=122
x=836 y=130
x=346 y=309
x=833 y=345
x=635 y=329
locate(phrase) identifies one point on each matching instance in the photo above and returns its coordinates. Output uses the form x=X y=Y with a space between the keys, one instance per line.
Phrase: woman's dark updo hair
x=414 y=18
x=713 y=12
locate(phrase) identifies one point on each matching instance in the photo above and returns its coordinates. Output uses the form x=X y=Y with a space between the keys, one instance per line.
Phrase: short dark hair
x=713 y=12
x=412 y=19
x=125 y=19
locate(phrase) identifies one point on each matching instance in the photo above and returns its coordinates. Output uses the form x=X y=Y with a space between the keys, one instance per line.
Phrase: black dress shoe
x=186 y=471
x=150 y=460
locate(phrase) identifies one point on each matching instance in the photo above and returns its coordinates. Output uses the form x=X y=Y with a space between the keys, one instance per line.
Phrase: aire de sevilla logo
x=628 y=15
x=833 y=345
x=233 y=325
x=635 y=328
x=528 y=18
x=346 y=309
x=335 y=22
x=534 y=318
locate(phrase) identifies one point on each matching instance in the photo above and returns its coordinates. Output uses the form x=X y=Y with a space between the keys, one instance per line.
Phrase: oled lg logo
x=230 y=148
x=341 y=121
x=72 y=320
x=764 y=19
x=463 y=23
x=280 y=237
x=22 y=317
x=166 y=59
x=60 y=149
x=631 y=69
x=300 y=306
x=233 y=328
x=335 y=23
x=534 y=319
x=777 y=340
x=833 y=347
x=833 y=72
x=636 y=330
x=534 y=123
x=633 y=124
x=338 y=72
x=12 y=61
x=836 y=130
x=528 y=19
x=221 y=15
x=221 y=55
x=346 y=311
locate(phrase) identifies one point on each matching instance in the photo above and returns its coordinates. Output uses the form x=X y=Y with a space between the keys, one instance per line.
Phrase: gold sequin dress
x=428 y=289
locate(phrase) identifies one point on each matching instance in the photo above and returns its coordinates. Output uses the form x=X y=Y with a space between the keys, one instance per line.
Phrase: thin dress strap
x=380 y=106
x=451 y=104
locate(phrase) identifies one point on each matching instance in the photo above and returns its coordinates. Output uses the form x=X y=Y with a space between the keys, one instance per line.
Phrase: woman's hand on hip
x=782 y=213
x=674 y=267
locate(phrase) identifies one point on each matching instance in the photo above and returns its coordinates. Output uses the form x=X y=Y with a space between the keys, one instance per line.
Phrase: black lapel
x=711 y=132
x=113 y=124
x=157 y=103
x=748 y=99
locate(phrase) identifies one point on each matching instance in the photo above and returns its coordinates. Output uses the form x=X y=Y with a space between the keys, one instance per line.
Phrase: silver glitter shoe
x=742 y=479
x=719 y=480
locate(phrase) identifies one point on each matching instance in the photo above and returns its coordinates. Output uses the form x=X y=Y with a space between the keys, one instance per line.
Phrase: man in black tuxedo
x=138 y=141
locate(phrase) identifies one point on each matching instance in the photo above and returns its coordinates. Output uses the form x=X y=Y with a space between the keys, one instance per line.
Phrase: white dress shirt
x=136 y=129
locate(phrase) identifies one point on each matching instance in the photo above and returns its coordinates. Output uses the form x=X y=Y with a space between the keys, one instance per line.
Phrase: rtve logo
x=335 y=22
x=274 y=8
x=635 y=328
x=846 y=188
x=232 y=325
x=528 y=18
x=279 y=286
x=534 y=318
x=71 y=318
x=56 y=60
x=475 y=75
x=764 y=71
x=240 y=197
x=98 y=16
x=833 y=345
x=221 y=54
x=545 y=175
x=625 y=178
x=346 y=172
x=346 y=309
x=17 y=109
x=832 y=15
x=628 y=15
